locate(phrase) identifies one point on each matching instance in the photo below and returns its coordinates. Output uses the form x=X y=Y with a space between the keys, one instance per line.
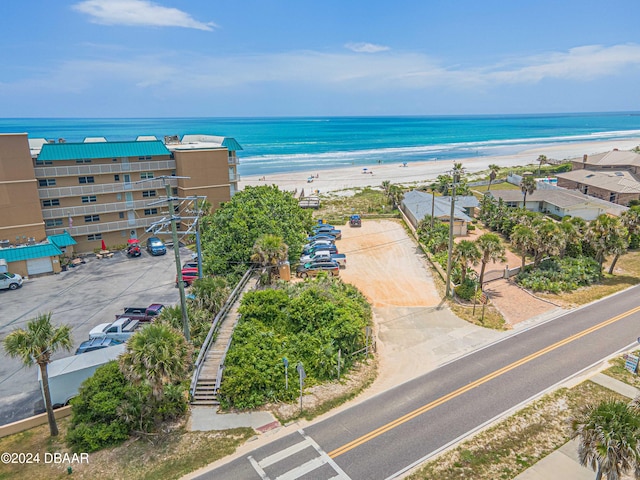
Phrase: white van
x=10 y=281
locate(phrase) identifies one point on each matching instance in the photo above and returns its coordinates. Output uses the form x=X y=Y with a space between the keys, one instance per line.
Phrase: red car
x=188 y=276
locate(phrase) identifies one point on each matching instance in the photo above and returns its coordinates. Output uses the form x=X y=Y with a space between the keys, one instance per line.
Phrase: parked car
x=311 y=269
x=312 y=250
x=327 y=229
x=325 y=255
x=120 y=330
x=142 y=314
x=193 y=264
x=321 y=236
x=96 y=344
x=10 y=281
x=355 y=221
x=188 y=276
x=155 y=246
x=315 y=243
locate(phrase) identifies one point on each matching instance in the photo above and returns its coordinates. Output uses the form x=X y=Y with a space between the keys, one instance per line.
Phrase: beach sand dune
x=338 y=179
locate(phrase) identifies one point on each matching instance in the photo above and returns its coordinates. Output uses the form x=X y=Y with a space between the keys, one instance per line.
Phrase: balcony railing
x=105 y=227
x=92 y=189
x=97 y=208
x=233 y=160
x=104 y=168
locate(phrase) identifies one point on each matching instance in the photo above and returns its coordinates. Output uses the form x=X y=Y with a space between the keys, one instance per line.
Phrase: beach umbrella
x=365 y=169
x=104 y=245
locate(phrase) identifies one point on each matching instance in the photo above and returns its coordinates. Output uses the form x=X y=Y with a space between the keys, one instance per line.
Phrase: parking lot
x=82 y=297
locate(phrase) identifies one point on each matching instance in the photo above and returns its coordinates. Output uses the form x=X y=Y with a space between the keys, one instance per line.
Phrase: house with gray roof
x=559 y=201
x=417 y=205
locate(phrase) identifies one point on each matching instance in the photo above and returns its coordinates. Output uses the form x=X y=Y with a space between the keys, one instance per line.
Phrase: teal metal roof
x=74 y=151
x=29 y=252
x=231 y=144
x=62 y=240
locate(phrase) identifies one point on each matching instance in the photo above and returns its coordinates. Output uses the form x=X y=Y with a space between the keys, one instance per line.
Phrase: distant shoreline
x=345 y=178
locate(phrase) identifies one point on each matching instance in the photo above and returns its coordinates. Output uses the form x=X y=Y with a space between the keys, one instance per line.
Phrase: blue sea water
x=293 y=144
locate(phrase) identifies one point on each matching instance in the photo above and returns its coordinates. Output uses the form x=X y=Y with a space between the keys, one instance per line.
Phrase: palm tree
x=268 y=251
x=524 y=239
x=158 y=355
x=466 y=252
x=606 y=235
x=385 y=185
x=550 y=240
x=609 y=438
x=395 y=194
x=631 y=220
x=491 y=249
x=541 y=159
x=528 y=185
x=493 y=173
x=37 y=344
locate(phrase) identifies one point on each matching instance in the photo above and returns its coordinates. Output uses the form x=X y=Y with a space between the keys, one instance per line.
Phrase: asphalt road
x=387 y=434
x=82 y=297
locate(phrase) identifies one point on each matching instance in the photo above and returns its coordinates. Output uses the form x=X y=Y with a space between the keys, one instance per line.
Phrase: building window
x=148 y=157
x=173 y=173
x=174 y=191
x=95 y=236
x=612 y=197
x=150 y=211
x=91 y=218
x=39 y=163
x=83 y=160
x=54 y=222
x=54 y=202
x=148 y=193
x=89 y=199
x=46 y=182
x=86 y=180
x=146 y=175
x=116 y=178
x=114 y=159
x=120 y=214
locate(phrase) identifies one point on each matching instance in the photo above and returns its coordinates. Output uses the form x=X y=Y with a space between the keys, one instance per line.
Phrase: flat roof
x=95 y=150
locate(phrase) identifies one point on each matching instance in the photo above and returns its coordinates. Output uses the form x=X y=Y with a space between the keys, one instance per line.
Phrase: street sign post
x=286 y=372
x=302 y=376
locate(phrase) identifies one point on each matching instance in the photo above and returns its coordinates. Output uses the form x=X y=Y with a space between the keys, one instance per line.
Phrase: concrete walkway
x=562 y=464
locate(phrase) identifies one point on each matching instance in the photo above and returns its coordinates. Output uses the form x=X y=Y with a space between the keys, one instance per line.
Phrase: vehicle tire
x=304 y=274
x=13 y=286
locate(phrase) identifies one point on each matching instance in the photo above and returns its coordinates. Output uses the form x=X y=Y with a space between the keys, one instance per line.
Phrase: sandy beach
x=343 y=179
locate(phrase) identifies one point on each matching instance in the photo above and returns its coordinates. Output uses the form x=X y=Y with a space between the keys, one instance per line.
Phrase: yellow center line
x=425 y=408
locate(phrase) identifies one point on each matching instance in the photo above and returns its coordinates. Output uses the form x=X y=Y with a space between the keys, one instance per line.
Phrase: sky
x=262 y=58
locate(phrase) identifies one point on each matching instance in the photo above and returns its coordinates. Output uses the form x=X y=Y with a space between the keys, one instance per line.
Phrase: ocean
x=272 y=145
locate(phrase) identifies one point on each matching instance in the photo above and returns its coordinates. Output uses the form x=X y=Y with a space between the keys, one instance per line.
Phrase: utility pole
x=456 y=178
x=176 y=252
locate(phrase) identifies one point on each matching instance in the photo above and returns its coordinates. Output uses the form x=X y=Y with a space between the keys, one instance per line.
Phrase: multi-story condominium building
x=99 y=191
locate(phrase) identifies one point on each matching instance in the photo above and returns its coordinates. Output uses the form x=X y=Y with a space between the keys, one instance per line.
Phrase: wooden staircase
x=210 y=374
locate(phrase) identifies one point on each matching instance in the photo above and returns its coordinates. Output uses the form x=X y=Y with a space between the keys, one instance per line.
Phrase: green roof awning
x=231 y=144
x=62 y=240
x=95 y=150
x=29 y=252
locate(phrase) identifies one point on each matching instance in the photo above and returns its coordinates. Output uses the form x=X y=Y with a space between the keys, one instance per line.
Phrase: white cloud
x=138 y=12
x=362 y=47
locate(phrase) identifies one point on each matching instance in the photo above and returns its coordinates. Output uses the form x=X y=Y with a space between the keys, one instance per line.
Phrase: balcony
x=97 y=208
x=105 y=227
x=234 y=177
x=233 y=160
x=104 y=168
x=94 y=188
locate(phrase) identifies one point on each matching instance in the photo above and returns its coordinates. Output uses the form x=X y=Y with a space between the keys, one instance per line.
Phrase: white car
x=119 y=330
x=10 y=281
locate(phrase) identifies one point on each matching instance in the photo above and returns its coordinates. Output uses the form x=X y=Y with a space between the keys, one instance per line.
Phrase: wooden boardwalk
x=210 y=374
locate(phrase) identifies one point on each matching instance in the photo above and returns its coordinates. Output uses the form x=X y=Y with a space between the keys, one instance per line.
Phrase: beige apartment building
x=101 y=191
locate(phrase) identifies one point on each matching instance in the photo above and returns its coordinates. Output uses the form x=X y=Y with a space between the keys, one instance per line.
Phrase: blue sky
x=223 y=58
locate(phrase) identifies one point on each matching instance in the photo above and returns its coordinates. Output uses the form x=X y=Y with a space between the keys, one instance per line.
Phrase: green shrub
x=560 y=275
x=308 y=322
x=467 y=289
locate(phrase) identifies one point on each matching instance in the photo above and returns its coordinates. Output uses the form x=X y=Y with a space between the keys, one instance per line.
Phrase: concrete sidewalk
x=562 y=464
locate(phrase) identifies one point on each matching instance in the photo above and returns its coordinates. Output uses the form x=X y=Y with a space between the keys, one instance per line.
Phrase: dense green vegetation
x=558 y=275
x=230 y=233
x=109 y=409
x=308 y=322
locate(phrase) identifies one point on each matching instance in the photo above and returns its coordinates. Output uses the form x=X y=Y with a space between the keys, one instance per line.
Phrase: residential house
x=417 y=205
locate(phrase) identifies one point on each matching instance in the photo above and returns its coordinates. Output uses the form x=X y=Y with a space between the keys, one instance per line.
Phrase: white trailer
x=67 y=374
